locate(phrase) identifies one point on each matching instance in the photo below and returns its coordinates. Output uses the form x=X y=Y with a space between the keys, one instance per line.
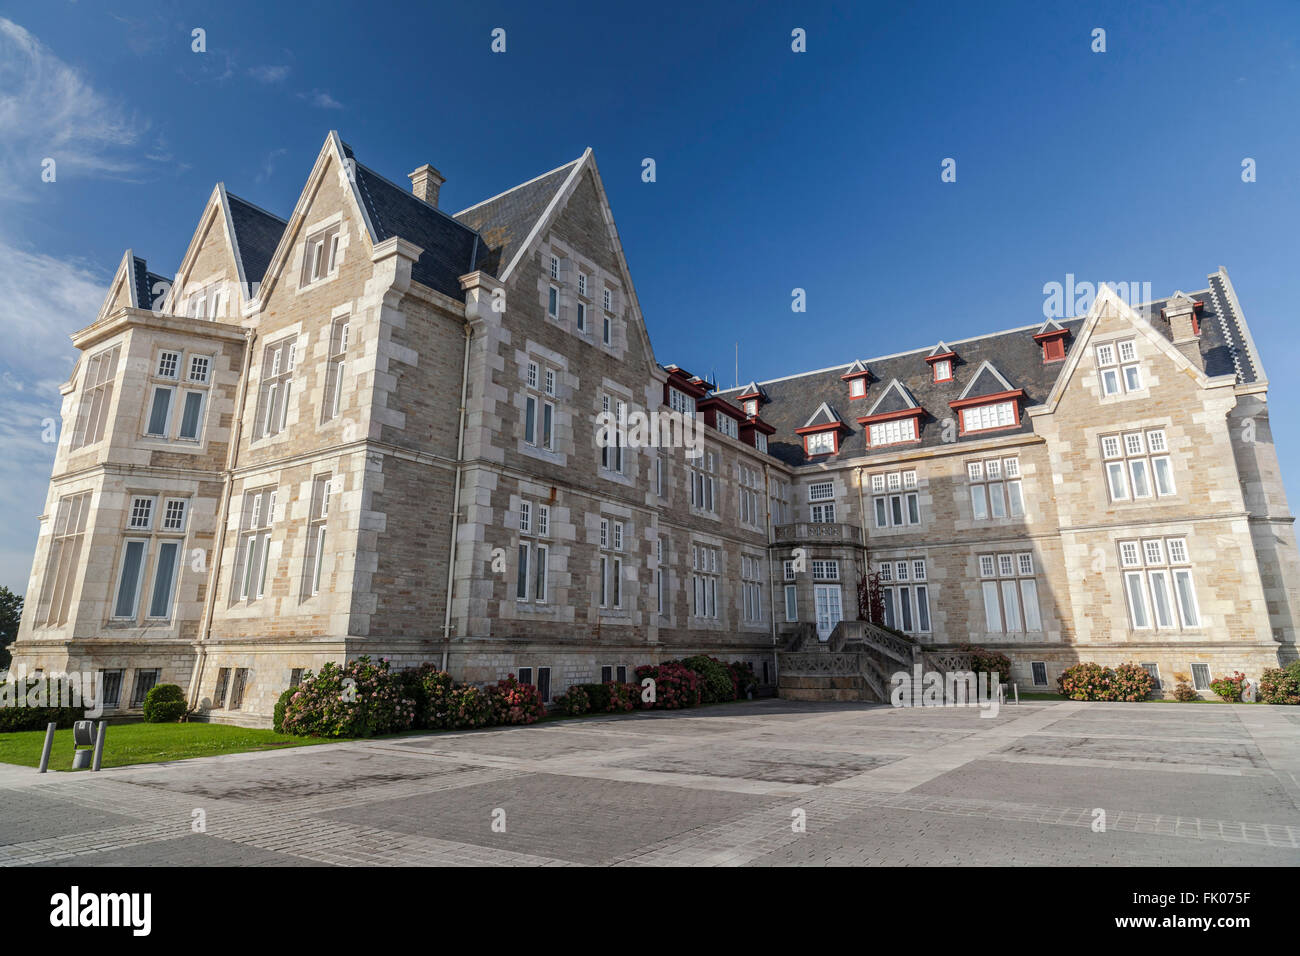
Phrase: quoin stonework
x=374 y=428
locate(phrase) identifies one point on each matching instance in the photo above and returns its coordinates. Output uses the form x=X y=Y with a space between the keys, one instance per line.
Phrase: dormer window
x=985 y=417
x=989 y=401
x=943 y=370
x=858 y=388
x=857 y=376
x=751 y=407
x=820 y=443
x=1052 y=337
x=892 y=432
x=941 y=360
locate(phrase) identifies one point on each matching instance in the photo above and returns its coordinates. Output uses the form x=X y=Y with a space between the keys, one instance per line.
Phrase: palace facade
x=372 y=428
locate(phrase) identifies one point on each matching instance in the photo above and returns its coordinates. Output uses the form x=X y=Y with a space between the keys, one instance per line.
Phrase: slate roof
x=505 y=221
x=140 y=276
x=451 y=249
x=1015 y=354
x=1224 y=347
x=257 y=233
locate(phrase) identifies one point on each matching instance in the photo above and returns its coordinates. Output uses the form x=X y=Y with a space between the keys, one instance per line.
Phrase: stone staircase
x=854 y=664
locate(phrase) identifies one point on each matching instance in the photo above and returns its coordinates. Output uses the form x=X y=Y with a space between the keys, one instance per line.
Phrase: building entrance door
x=829 y=611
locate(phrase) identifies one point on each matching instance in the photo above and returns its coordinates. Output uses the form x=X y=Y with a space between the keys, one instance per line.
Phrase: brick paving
x=764 y=783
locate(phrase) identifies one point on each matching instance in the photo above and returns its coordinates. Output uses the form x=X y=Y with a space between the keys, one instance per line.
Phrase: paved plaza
x=726 y=785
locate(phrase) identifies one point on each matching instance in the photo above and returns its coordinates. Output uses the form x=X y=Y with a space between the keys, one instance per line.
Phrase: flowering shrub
x=468 y=707
x=742 y=678
x=984 y=661
x=1089 y=681
x=675 y=686
x=515 y=703
x=597 y=696
x=1132 y=682
x=1280 y=686
x=434 y=697
x=1184 y=691
x=715 y=679
x=277 y=715
x=622 y=697
x=1229 y=688
x=573 y=701
x=360 y=699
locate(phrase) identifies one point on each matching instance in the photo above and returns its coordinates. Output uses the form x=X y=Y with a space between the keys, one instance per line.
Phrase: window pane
x=1029 y=593
x=1160 y=603
x=1118 y=486
x=132 y=562
x=1137 y=600
x=539 y=588
x=913 y=509
x=160 y=412
x=896 y=509
x=791 y=603
x=190 y=415
x=1011 y=605
x=1132 y=378
x=922 y=609
x=1187 y=599
x=1164 y=476
x=992 y=612
x=530 y=420
x=887 y=599
x=160 y=605
x=1016 y=499
x=978 y=503
x=1141 y=482
x=521 y=582
x=905 y=607
x=997 y=504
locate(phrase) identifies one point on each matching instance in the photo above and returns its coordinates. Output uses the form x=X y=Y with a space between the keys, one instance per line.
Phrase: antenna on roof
x=737 y=365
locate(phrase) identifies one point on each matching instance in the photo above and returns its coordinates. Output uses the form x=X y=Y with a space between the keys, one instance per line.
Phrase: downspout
x=862 y=529
x=223 y=511
x=455 y=501
x=771 y=566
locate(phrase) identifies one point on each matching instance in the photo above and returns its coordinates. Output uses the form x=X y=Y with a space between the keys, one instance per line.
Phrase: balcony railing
x=819 y=532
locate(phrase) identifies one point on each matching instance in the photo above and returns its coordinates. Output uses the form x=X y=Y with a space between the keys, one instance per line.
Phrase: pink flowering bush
x=468 y=707
x=1090 y=681
x=742 y=678
x=1280 y=686
x=1229 y=688
x=515 y=703
x=622 y=697
x=573 y=701
x=675 y=686
x=360 y=699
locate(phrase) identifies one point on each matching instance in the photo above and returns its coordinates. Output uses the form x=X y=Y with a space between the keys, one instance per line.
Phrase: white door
x=828 y=609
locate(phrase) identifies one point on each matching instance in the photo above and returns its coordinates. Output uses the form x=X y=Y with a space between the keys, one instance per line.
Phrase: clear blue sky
x=775 y=170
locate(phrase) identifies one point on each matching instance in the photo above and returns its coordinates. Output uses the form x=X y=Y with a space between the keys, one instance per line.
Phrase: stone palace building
x=373 y=429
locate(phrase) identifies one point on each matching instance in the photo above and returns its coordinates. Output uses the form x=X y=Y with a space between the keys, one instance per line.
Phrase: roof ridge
x=412 y=196
x=253 y=205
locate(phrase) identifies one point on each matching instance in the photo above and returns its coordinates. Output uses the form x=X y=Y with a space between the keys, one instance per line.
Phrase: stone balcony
x=810 y=532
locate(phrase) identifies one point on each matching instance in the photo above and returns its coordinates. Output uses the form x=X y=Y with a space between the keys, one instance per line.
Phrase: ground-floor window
x=1010 y=592
x=1201 y=676
x=112 y=688
x=144 y=682
x=616 y=672
x=542 y=681
x=1039 y=670
x=905 y=594
x=1154 y=671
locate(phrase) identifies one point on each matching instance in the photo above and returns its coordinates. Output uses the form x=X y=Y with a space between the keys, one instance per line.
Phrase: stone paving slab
x=725 y=786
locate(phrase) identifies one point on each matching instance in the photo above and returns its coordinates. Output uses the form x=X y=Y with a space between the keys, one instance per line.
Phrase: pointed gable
x=506 y=220
x=823 y=417
x=1052 y=335
x=988 y=402
x=941 y=360
x=987 y=380
x=821 y=432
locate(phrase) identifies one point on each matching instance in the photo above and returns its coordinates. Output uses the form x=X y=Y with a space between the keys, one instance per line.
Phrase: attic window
x=943 y=370
x=751 y=407
x=1054 y=350
x=857 y=388
x=892 y=432
x=321 y=255
x=821 y=443
x=987 y=417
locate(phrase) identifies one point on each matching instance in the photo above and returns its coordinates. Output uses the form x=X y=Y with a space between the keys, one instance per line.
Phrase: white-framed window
x=607 y=329
x=317 y=515
x=779 y=495
x=607 y=299
x=539 y=406
x=984 y=417
x=582 y=284
x=555 y=267
x=1038 y=670
x=612 y=534
x=760 y=442
x=611 y=455
x=613 y=672
x=321 y=255
x=252 y=554
x=531 y=581
x=1158 y=584
x=96 y=396
x=820 y=443
x=1117 y=367
x=857 y=388
x=679 y=401
x=791 y=602
x=825 y=570
x=701 y=474
x=942 y=370
x=893 y=503
x=1137 y=465
x=553 y=302
x=996 y=489
x=727 y=425
x=1010 y=590
x=892 y=432
x=335 y=368
x=751 y=407
x=748 y=494
x=905 y=594
x=278 y=362
x=704 y=581
x=62 y=567
x=582 y=317
x=210 y=302
x=751 y=588
x=150 y=537
x=1200 y=676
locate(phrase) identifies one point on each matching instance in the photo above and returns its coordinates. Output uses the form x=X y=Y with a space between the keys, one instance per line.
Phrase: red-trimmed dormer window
x=941 y=361
x=821 y=443
x=893 y=428
x=1052 y=338
x=943 y=370
x=989 y=413
x=856 y=377
x=751 y=407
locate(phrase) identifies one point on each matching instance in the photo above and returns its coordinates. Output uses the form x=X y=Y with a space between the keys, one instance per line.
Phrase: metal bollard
x=99 y=744
x=45 y=753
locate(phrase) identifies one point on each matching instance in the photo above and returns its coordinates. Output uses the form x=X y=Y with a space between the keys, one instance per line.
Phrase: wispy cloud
x=43 y=300
x=269 y=74
x=48 y=110
x=322 y=99
x=268 y=165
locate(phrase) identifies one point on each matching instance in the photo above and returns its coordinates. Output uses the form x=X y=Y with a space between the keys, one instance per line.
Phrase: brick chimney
x=425 y=183
x=1184 y=327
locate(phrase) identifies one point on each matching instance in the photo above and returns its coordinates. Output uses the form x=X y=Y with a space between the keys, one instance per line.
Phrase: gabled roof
x=1050 y=327
x=506 y=220
x=895 y=398
x=857 y=370
x=450 y=248
x=987 y=380
x=940 y=351
x=824 y=417
x=254 y=233
x=752 y=390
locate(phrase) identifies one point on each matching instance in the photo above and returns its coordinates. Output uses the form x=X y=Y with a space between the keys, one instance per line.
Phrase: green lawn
x=148 y=743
